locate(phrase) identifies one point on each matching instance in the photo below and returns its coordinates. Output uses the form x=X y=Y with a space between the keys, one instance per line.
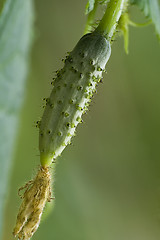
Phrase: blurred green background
x=107 y=183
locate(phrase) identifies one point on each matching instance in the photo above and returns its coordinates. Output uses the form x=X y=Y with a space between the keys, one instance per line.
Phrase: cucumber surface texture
x=72 y=91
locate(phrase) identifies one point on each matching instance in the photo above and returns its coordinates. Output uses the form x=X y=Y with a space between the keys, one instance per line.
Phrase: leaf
x=15 y=40
x=151 y=10
x=89 y=6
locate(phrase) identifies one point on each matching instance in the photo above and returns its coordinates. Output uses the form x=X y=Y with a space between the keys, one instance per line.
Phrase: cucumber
x=72 y=91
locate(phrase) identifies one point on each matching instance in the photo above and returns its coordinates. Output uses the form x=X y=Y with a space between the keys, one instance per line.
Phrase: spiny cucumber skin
x=73 y=88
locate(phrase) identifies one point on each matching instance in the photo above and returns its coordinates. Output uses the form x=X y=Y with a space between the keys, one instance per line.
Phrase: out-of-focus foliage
x=151 y=9
x=15 y=40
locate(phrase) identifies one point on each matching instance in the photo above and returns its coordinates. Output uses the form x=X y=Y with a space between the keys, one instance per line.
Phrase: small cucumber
x=72 y=91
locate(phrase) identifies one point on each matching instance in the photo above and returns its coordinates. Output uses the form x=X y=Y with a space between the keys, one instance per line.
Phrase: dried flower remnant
x=37 y=193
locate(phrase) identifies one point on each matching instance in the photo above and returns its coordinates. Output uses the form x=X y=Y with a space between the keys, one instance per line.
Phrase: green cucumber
x=72 y=91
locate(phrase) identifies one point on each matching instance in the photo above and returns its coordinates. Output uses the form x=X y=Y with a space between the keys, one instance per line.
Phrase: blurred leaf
x=15 y=39
x=151 y=10
x=90 y=6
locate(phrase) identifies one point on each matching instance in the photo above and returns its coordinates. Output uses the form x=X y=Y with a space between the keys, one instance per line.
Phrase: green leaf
x=151 y=10
x=15 y=40
x=90 y=6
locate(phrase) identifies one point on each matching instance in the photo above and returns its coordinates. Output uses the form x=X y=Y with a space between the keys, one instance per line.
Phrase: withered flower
x=37 y=193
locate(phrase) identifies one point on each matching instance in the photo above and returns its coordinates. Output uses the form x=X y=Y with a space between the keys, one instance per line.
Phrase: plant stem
x=133 y=24
x=111 y=17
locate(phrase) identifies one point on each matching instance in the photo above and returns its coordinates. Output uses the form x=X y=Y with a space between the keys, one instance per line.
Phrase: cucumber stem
x=111 y=17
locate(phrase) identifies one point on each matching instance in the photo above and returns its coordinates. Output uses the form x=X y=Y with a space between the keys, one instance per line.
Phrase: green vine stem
x=111 y=17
